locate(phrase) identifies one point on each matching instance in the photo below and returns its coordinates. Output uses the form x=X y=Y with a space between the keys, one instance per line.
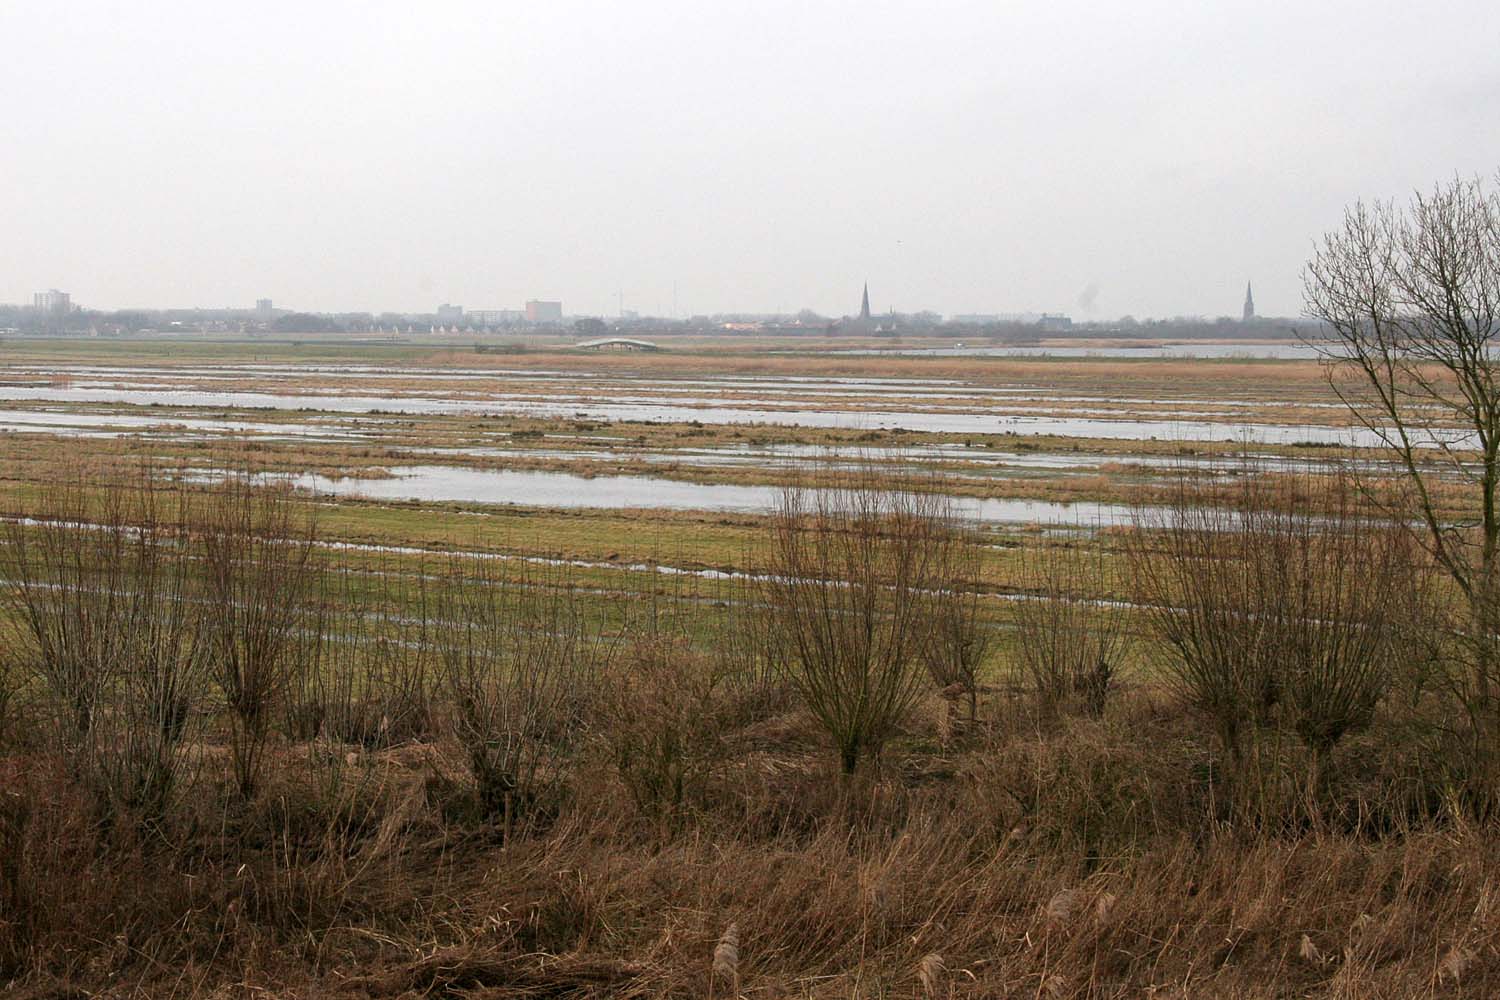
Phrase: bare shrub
x=519 y=658
x=304 y=703
x=138 y=747
x=1350 y=592
x=851 y=586
x=664 y=708
x=1069 y=644
x=742 y=645
x=959 y=641
x=379 y=694
x=378 y=660
x=659 y=728
x=1290 y=608
x=260 y=565
x=67 y=572
x=101 y=592
x=1191 y=564
x=10 y=685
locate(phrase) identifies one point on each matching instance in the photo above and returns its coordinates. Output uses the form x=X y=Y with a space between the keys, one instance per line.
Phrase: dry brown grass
x=1084 y=862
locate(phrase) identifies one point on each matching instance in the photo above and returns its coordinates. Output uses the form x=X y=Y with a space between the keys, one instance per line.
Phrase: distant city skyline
x=539 y=310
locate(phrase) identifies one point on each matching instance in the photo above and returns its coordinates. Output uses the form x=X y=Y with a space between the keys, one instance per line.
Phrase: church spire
x=1249 y=304
x=864 y=303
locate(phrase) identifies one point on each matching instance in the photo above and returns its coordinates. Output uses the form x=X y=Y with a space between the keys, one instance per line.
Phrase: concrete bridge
x=616 y=344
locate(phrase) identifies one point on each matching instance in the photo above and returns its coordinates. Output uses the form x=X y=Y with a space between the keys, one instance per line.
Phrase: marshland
x=815 y=500
x=755 y=668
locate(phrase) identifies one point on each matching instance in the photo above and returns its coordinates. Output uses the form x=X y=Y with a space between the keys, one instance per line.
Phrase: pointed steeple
x=1249 y=304
x=864 y=303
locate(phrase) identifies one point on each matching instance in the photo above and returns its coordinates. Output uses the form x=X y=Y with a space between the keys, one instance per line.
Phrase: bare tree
x=1411 y=298
x=852 y=582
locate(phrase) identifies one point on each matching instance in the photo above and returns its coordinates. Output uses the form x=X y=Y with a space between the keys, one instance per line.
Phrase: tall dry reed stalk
x=726 y=964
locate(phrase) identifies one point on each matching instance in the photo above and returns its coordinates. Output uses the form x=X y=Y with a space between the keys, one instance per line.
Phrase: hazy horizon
x=1083 y=158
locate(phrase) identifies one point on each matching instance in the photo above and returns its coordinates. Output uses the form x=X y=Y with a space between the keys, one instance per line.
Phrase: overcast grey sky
x=962 y=156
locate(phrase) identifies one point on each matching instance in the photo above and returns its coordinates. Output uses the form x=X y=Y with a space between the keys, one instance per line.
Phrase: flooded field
x=1284 y=350
x=1067 y=435
x=561 y=490
x=1022 y=407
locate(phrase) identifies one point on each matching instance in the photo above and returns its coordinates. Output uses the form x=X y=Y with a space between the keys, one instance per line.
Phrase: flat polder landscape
x=781 y=501
x=676 y=457
x=409 y=418
x=673 y=459
x=766 y=667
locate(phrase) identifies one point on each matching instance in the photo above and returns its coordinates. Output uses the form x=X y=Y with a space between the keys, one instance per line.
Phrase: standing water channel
x=440 y=483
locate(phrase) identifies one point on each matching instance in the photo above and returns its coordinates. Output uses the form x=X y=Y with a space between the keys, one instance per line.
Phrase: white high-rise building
x=52 y=301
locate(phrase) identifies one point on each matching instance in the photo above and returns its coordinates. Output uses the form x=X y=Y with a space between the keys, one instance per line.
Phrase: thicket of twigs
x=235 y=758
